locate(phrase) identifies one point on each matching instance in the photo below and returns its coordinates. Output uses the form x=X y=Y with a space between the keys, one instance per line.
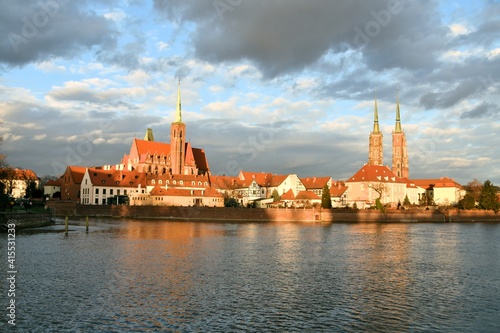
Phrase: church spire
x=398 y=115
x=178 y=112
x=376 y=128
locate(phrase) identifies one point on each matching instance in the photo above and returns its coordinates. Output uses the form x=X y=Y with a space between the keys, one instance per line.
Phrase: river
x=155 y=276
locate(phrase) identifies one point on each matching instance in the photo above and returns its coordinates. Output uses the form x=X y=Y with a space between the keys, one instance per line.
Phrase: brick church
x=175 y=158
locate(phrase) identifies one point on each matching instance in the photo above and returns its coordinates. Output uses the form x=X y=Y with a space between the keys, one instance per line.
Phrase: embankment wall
x=62 y=208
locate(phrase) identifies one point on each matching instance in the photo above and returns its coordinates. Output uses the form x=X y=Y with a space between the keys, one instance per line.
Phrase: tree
x=488 y=197
x=275 y=195
x=467 y=202
x=406 y=202
x=326 y=199
x=474 y=187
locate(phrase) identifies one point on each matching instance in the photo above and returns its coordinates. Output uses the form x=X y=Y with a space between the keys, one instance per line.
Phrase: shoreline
x=232 y=214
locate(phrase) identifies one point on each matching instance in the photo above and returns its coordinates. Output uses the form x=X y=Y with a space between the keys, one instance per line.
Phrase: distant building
x=51 y=187
x=441 y=191
x=400 y=165
x=16 y=182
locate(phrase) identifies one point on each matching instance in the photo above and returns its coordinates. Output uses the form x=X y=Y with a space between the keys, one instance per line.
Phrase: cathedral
x=399 y=153
x=168 y=159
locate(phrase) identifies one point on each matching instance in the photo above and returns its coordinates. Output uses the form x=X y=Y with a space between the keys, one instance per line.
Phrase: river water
x=154 y=276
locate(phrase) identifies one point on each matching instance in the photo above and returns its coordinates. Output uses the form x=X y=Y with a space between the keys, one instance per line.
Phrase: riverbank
x=25 y=220
x=65 y=208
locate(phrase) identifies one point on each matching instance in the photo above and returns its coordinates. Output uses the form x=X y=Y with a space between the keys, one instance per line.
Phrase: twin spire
x=376 y=127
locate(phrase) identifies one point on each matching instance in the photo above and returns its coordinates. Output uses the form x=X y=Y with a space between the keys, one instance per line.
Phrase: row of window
x=174 y=182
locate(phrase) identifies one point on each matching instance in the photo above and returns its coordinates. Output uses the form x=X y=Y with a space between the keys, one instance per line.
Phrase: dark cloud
x=34 y=31
x=283 y=37
x=482 y=110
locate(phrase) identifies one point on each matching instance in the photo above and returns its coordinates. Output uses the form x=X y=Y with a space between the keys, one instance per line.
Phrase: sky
x=281 y=86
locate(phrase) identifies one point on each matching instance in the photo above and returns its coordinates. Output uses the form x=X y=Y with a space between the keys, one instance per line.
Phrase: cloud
x=482 y=110
x=40 y=31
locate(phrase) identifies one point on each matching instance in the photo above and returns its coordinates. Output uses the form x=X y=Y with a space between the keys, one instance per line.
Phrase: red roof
x=180 y=180
x=439 y=182
x=19 y=174
x=288 y=195
x=77 y=173
x=116 y=178
x=54 y=182
x=307 y=195
x=375 y=173
x=315 y=182
x=338 y=189
x=224 y=182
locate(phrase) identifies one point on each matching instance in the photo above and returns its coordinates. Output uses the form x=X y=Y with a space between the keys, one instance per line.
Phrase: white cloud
x=39 y=137
x=162 y=46
x=50 y=66
x=458 y=29
x=116 y=16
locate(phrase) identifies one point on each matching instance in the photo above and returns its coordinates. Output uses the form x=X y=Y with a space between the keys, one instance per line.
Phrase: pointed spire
x=398 y=115
x=149 y=135
x=376 y=128
x=178 y=114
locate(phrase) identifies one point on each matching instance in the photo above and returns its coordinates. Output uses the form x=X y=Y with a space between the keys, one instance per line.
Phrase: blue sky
x=276 y=86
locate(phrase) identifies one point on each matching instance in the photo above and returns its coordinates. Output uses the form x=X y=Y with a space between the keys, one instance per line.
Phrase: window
x=96 y=201
x=96 y=191
x=153 y=182
x=111 y=192
x=124 y=192
x=118 y=192
x=160 y=182
x=104 y=191
x=103 y=201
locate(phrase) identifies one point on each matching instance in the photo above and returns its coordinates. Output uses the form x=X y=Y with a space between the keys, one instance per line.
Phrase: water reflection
x=220 y=277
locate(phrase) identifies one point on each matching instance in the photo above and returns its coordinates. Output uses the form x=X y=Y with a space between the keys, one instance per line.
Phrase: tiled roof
x=338 y=189
x=224 y=182
x=307 y=195
x=315 y=182
x=77 y=173
x=288 y=195
x=20 y=174
x=152 y=147
x=115 y=178
x=54 y=182
x=375 y=173
x=438 y=182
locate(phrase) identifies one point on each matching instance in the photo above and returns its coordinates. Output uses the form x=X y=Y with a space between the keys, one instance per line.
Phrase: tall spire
x=178 y=113
x=376 y=128
x=398 y=116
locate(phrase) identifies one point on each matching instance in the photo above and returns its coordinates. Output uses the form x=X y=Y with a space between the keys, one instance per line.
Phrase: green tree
x=406 y=201
x=275 y=195
x=326 y=199
x=468 y=202
x=488 y=198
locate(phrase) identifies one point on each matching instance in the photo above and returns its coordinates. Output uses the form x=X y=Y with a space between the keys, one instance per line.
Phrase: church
x=175 y=158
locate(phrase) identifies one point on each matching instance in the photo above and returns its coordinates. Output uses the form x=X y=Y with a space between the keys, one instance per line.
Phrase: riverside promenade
x=231 y=214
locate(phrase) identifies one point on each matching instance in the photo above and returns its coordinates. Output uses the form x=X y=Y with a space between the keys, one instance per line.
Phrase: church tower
x=178 y=139
x=376 y=149
x=399 y=153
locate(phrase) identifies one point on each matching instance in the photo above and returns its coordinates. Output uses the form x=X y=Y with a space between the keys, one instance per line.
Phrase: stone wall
x=64 y=208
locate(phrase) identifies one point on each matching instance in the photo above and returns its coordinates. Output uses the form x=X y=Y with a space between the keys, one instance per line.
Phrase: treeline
x=481 y=196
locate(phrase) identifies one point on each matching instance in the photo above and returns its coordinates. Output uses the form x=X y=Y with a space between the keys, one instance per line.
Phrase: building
x=18 y=183
x=52 y=188
x=175 y=158
x=101 y=186
x=442 y=191
x=372 y=182
x=339 y=194
x=71 y=181
x=316 y=184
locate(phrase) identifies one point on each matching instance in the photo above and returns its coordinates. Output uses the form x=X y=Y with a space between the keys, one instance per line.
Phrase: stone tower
x=399 y=152
x=376 y=149
x=178 y=139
